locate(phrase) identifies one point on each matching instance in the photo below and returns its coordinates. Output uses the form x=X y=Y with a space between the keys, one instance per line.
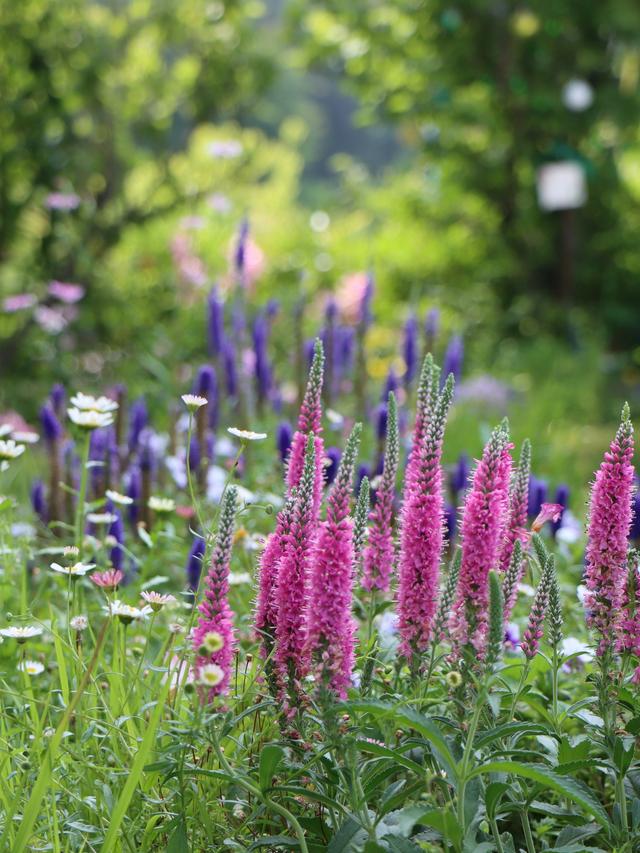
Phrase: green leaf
x=566 y=786
x=395 y=754
x=273 y=840
x=270 y=756
x=492 y=796
x=178 y=842
x=509 y=730
x=341 y=840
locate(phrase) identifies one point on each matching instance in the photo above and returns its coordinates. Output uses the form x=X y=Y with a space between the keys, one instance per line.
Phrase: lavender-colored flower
x=460 y=475
x=284 y=437
x=363 y=471
x=39 y=500
x=116 y=530
x=19 y=302
x=230 y=368
x=194 y=454
x=239 y=255
x=51 y=428
x=366 y=314
x=206 y=382
x=58 y=396
x=62 y=201
x=262 y=366
x=450 y=522
x=431 y=325
x=332 y=461
x=537 y=496
x=138 y=419
x=380 y=419
x=215 y=322
x=194 y=562
x=410 y=349
x=391 y=385
x=66 y=292
x=486 y=391
x=454 y=354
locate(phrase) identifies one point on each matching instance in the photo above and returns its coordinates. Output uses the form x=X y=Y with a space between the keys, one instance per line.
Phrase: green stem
x=528 y=836
x=516 y=695
x=621 y=799
x=496 y=835
x=82 y=493
x=464 y=764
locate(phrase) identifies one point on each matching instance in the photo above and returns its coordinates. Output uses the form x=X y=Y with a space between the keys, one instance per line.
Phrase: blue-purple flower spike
x=194 y=563
x=452 y=362
x=215 y=322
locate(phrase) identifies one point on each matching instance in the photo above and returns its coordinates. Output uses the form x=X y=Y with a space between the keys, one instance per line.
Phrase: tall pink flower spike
x=483 y=527
x=422 y=536
x=610 y=516
x=331 y=626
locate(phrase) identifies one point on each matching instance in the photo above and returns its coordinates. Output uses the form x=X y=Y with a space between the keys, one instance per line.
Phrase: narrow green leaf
x=270 y=756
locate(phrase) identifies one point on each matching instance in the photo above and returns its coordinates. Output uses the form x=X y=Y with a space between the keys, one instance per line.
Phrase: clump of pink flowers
x=610 y=516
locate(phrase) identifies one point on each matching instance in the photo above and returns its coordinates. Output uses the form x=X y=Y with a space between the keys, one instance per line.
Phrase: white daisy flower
x=76 y=570
x=157 y=600
x=10 y=450
x=239 y=578
x=21 y=633
x=247 y=434
x=5 y=429
x=31 y=667
x=79 y=623
x=161 y=504
x=89 y=419
x=210 y=675
x=126 y=612
x=117 y=498
x=212 y=642
x=101 y=517
x=87 y=403
x=26 y=437
x=193 y=402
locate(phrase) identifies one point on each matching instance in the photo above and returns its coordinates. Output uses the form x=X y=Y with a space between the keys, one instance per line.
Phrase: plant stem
x=464 y=764
x=526 y=826
x=82 y=493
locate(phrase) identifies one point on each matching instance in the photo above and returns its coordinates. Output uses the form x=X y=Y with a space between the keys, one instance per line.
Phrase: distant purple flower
x=262 y=367
x=239 y=255
x=194 y=562
x=391 y=384
x=345 y=346
x=452 y=362
x=220 y=203
x=194 y=454
x=19 y=302
x=431 y=324
x=332 y=460
x=410 y=349
x=66 y=292
x=206 y=382
x=134 y=491
x=230 y=368
x=284 y=437
x=460 y=475
x=537 y=496
x=215 y=322
x=635 y=524
x=116 y=530
x=62 y=201
x=58 y=395
x=138 y=420
x=39 y=501
x=362 y=472
x=486 y=390
x=51 y=428
x=380 y=419
x=366 y=315
x=450 y=522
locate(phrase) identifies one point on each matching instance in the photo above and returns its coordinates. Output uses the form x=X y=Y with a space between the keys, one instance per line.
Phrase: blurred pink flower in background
x=225 y=149
x=190 y=267
x=66 y=292
x=51 y=320
x=350 y=293
x=62 y=201
x=19 y=302
x=254 y=262
x=220 y=203
x=194 y=223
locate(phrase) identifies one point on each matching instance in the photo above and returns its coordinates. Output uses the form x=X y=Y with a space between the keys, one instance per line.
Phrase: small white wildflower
x=213 y=641
x=117 y=498
x=48 y=732
x=239 y=578
x=22 y=633
x=5 y=429
x=71 y=551
x=79 y=623
x=90 y=419
x=101 y=517
x=87 y=403
x=211 y=675
x=26 y=437
x=193 y=402
x=31 y=667
x=157 y=600
x=161 y=504
x=125 y=612
x=76 y=570
x=247 y=434
x=176 y=627
x=10 y=450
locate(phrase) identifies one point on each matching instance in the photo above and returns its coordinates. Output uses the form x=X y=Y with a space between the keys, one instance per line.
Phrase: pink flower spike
x=213 y=637
x=610 y=516
x=19 y=302
x=548 y=512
